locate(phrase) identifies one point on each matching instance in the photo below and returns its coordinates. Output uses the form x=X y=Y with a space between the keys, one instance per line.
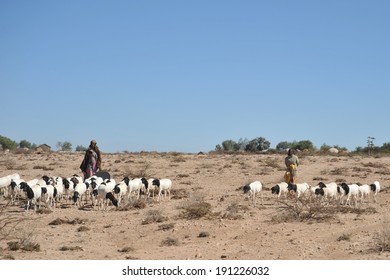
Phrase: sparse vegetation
x=382 y=239
x=169 y=241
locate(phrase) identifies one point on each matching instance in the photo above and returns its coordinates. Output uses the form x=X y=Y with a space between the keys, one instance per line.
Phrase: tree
x=282 y=146
x=303 y=145
x=25 y=144
x=80 y=148
x=230 y=146
x=7 y=143
x=64 y=146
x=257 y=144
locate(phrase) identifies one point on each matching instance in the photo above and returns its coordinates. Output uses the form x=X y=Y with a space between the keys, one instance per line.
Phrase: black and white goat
x=253 y=189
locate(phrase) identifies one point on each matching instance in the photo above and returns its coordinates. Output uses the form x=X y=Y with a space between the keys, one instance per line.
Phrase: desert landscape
x=208 y=216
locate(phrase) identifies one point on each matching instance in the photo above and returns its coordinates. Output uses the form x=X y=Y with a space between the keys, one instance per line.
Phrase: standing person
x=92 y=160
x=292 y=163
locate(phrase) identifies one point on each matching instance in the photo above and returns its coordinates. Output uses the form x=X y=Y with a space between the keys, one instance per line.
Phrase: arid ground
x=208 y=216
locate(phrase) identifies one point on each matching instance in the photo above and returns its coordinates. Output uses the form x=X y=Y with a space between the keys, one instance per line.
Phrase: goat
x=163 y=185
x=253 y=189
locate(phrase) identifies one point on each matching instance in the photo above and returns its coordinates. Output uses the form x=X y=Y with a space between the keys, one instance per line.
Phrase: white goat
x=102 y=195
x=79 y=190
x=253 y=189
x=375 y=189
x=33 y=194
x=299 y=189
x=14 y=190
x=6 y=181
x=280 y=189
x=351 y=192
x=120 y=189
x=326 y=191
x=136 y=185
x=163 y=185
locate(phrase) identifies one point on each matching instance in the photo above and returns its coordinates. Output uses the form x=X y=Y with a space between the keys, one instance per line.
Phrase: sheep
x=102 y=195
x=6 y=181
x=163 y=185
x=299 y=189
x=33 y=194
x=375 y=189
x=68 y=188
x=120 y=189
x=364 y=191
x=151 y=188
x=326 y=191
x=135 y=185
x=280 y=189
x=253 y=189
x=79 y=190
x=349 y=191
x=48 y=196
x=14 y=190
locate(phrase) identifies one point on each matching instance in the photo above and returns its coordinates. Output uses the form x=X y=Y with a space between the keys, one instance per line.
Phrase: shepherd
x=92 y=160
x=292 y=163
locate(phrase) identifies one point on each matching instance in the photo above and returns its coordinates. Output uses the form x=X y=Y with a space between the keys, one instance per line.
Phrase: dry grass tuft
x=153 y=216
x=71 y=248
x=165 y=227
x=382 y=239
x=196 y=210
x=126 y=250
x=233 y=212
x=169 y=241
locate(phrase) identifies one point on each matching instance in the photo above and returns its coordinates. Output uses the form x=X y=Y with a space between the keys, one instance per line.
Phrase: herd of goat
x=343 y=194
x=53 y=190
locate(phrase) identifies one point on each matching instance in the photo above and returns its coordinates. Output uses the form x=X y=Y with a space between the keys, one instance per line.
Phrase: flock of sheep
x=343 y=194
x=53 y=190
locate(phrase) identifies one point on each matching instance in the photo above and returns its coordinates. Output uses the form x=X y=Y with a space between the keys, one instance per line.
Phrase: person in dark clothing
x=92 y=161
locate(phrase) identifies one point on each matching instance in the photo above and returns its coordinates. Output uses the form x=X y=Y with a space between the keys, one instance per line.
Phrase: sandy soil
x=233 y=228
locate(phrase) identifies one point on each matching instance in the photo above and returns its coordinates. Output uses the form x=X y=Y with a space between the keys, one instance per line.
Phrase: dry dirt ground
x=208 y=216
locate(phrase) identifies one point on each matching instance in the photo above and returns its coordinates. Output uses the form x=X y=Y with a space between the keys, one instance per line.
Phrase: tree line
x=258 y=144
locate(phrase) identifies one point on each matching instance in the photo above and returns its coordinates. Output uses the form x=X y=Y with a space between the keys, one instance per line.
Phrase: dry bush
x=344 y=237
x=126 y=250
x=196 y=210
x=169 y=241
x=153 y=216
x=306 y=210
x=233 y=212
x=25 y=243
x=165 y=227
x=60 y=221
x=71 y=248
x=133 y=204
x=179 y=193
x=382 y=239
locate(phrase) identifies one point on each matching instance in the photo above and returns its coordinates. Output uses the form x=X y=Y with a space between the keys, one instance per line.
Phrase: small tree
x=257 y=144
x=25 y=144
x=80 y=148
x=230 y=146
x=7 y=143
x=64 y=146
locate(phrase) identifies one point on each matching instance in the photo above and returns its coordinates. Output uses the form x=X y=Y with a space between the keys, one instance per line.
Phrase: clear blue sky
x=186 y=75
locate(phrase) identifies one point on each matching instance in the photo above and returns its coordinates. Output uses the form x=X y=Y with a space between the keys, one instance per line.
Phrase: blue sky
x=186 y=75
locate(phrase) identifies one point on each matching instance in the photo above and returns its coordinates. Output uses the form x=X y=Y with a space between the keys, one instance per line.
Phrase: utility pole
x=370 y=144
